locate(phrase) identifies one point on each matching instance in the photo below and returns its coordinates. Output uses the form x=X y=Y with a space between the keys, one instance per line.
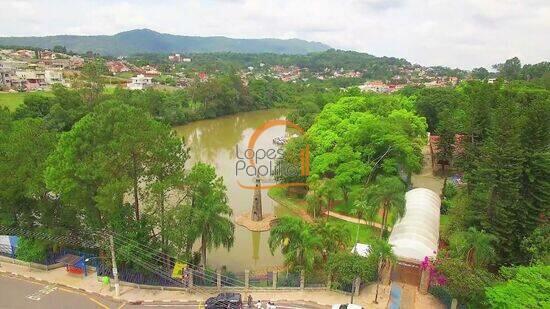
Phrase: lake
x=214 y=142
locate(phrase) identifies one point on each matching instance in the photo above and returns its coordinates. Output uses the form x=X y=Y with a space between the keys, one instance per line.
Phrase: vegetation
x=497 y=218
x=525 y=287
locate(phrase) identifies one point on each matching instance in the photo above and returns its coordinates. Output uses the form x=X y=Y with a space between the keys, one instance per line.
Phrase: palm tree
x=388 y=195
x=215 y=226
x=329 y=191
x=208 y=212
x=297 y=241
x=361 y=209
x=315 y=197
x=476 y=247
x=383 y=250
x=333 y=237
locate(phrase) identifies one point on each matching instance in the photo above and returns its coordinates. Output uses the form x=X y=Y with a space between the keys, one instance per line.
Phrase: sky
x=464 y=34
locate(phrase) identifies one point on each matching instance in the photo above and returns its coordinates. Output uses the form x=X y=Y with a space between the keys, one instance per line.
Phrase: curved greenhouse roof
x=416 y=235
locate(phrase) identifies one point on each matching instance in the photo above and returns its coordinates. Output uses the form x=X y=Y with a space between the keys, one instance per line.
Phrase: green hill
x=148 y=41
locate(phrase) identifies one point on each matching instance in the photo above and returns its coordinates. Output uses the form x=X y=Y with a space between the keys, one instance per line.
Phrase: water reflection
x=214 y=141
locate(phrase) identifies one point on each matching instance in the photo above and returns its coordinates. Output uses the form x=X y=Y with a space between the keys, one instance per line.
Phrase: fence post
x=329 y=282
x=357 y=286
x=274 y=279
x=219 y=279
x=247 y=279
x=302 y=279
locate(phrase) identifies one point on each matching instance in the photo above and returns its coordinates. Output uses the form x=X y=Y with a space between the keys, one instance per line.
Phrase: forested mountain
x=148 y=41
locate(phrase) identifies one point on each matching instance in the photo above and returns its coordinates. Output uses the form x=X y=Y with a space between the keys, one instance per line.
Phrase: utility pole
x=113 y=261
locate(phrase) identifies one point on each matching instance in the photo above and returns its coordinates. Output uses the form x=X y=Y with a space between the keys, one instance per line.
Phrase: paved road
x=22 y=293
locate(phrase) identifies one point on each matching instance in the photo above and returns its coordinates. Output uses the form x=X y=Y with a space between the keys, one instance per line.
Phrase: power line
x=145 y=249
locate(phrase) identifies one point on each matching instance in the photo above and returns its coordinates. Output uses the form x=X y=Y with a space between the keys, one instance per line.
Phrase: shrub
x=31 y=250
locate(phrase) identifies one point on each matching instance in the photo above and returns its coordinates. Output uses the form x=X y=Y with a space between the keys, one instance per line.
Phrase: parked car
x=346 y=306
x=225 y=301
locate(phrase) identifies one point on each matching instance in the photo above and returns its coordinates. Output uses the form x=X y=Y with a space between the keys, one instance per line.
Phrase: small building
x=140 y=82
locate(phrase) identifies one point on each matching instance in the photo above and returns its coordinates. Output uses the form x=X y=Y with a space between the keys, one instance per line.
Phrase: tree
x=384 y=252
x=475 y=247
x=35 y=105
x=345 y=267
x=446 y=144
x=537 y=245
x=465 y=284
x=107 y=154
x=91 y=83
x=24 y=147
x=333 y=237
x=500 y=171
x=526 y=287
x=432 y=102
x=387 y=195
x=510 y=69
x=59 y=49
x=480 y=73
x=210 y=209
x=298 y=243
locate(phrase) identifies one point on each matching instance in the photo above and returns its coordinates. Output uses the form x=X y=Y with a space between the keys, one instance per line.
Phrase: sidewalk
x=354 y=220
x=91 y=285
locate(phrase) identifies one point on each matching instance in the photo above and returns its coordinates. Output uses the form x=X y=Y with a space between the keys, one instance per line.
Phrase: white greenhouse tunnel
x=416 y=234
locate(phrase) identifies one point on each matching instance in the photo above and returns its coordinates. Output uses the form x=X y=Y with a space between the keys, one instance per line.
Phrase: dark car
x=225 y=300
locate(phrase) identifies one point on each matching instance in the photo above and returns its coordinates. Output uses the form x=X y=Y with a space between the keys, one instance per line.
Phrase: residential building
x=376 y=86
x=24 y=53
x=116 y=67
x=140 y=82
x=6 y=77
x=29 y=80
x=53 y=77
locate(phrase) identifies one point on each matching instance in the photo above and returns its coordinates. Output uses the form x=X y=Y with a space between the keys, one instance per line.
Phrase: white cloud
x=454 y=33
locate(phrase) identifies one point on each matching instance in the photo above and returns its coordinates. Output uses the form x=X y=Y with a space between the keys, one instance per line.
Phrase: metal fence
x=261 y=279
x=288 y=279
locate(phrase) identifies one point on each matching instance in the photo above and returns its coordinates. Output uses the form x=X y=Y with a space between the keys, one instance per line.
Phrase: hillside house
x=140 y=82
x=53 y=77
x=116 y=67
x=376 y=86
x=29 y=80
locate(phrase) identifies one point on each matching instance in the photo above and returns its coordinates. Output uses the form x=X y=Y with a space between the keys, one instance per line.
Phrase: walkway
x=426 y=177
x=354 y=220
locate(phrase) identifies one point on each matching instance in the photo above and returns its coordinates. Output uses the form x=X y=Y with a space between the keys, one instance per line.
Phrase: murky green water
x=214 y=142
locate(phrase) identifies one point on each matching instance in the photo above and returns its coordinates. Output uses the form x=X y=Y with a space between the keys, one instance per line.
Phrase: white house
x=53 y=77
x=140 y=82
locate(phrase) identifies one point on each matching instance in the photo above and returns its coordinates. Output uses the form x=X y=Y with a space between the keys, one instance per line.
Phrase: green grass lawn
x=279 y=195
x=11 y=99
x=366 y=233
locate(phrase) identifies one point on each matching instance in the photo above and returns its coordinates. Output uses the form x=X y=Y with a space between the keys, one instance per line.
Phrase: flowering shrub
x=436 y=278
